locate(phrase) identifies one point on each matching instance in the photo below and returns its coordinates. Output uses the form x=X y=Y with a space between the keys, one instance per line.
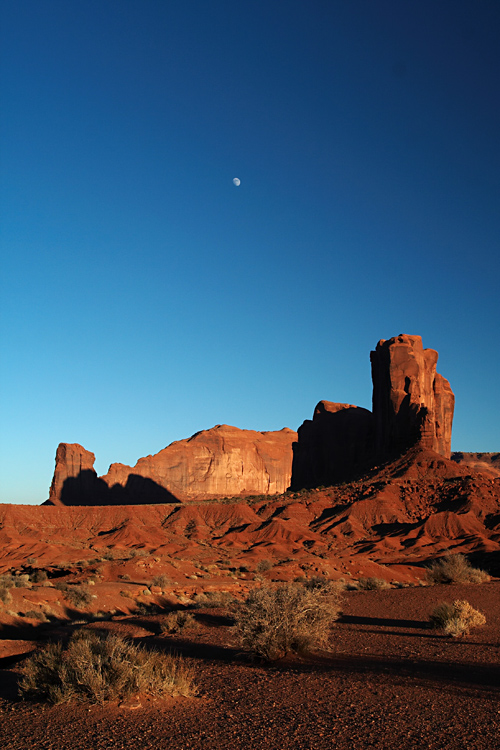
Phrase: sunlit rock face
x=221 y=462
x=412 y=403
x=412 y=406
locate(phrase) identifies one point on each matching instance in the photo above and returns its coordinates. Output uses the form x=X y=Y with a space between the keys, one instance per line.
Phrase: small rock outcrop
x=411 y=402
x=332 y=447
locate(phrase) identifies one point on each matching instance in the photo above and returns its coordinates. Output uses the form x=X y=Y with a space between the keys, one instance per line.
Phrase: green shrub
x=288 y=617
x=455 y=569
x=456 y=619
x=96 y=667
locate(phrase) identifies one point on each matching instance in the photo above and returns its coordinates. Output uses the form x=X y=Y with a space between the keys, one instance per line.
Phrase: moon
x=236 y=181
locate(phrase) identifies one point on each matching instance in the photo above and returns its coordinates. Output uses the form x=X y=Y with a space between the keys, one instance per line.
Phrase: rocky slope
x=486 y=463
x=399 y=515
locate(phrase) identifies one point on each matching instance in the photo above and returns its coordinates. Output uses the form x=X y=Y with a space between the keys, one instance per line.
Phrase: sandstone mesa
x=412 y=405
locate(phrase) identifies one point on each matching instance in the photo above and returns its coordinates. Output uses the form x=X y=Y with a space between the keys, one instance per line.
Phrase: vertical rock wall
x=411 y=402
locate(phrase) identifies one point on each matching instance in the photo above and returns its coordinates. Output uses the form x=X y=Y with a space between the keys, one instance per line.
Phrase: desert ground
x=386 y=680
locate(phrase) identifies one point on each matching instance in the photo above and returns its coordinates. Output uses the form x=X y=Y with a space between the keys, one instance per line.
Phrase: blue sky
x=144 y=297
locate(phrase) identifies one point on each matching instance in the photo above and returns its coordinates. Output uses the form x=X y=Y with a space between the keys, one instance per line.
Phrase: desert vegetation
x=96 y=667
x=455 y=569
x=456 y=619
x=79 y=596
x=373 y=584
x=176 y=621
x=276 y=620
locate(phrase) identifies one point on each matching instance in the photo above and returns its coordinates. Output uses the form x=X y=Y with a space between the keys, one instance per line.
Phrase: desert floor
x=388 y=681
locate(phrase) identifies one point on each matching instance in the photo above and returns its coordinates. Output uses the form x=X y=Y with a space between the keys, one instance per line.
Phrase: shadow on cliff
x=88 y=489
x=333 y=447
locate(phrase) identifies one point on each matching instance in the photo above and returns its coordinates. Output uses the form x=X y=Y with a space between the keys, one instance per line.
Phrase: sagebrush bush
x=96 y=667
x=456 y=619
x=79 y=596
x=213 y=599
x=161 y=580
x=38 y=576
x=455 y=569
x=288 y=617
x=373 y=584
x=264 y=565
x=177 y=621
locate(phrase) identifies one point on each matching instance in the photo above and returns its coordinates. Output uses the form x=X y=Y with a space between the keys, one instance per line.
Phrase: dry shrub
x=38 y=576
x=6 y=583
x=264 y=565
x=177 y=621
x=373 y=584
x=96 y=667
x=213 y=600
x=456 y=619
x=78 y=596
x=289 y=617
x=161 y=580
x=455 y=569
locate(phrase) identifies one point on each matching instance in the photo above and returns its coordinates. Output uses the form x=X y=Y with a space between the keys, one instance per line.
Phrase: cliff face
x=74 y=465
x=412 y=405
x=332 y=447
x=411 y=402
x=221 y=462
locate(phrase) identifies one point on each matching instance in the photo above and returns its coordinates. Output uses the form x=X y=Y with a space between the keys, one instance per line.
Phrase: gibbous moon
x=236 y=181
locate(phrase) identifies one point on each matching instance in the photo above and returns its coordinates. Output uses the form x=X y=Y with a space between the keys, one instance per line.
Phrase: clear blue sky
x=145 y=297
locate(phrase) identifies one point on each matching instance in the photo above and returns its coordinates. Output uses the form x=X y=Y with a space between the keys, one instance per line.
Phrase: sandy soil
x=387 y=682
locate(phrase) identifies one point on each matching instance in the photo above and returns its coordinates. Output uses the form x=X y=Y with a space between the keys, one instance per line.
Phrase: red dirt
x=388 y=682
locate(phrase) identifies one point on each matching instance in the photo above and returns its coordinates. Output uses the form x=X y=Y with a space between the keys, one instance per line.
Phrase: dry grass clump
x=177 y=621
x=456 y=619
x=455 y=569
x=264 y=565
x=79 y=596
x=96 y=667
x=6 y=584
x=373 y=584
x=288 y=617
x=161 y=580
x=38 y=576
x=213 y=600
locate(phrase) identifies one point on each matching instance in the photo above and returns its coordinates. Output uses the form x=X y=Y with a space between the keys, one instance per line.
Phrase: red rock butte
x=412 y=406
x=221 y=462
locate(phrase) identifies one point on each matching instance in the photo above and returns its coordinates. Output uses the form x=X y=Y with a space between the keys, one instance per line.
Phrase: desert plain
x=362 y=501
